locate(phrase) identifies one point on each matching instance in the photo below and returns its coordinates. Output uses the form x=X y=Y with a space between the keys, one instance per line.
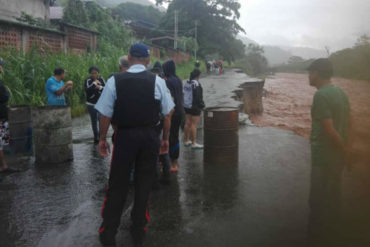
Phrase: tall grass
x=25 y=74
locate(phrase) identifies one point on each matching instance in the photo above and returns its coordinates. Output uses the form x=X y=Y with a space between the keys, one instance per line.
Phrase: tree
x=364 y=40
x=111 y=28
x=295 y=59
x=134 y=11
x=254 y=62
x=216 y=22
x=90 y=15
x=75 y=13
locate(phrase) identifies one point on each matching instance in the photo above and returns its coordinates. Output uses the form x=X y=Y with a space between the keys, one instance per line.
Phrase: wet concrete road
x=261 y=202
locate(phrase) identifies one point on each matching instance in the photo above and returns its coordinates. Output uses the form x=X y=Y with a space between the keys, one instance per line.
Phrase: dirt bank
x=288 y=100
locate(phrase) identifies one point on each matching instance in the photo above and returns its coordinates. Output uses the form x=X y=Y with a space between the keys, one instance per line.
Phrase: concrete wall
x=11 y=9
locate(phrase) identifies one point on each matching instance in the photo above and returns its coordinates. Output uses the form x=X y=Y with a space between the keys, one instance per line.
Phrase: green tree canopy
x=90 y=15
x=134 y=11
x=75 y=13
x=216 y=21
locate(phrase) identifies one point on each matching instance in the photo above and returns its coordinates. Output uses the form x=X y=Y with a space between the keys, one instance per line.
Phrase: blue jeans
x=95 y=117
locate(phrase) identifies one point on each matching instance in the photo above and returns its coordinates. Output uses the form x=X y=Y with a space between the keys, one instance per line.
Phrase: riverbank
x=288 y=99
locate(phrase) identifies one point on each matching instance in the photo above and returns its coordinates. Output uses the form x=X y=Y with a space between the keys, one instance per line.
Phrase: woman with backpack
x=193 y=105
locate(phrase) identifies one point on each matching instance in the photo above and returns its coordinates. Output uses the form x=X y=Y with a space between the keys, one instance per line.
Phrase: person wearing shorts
x=193 y=105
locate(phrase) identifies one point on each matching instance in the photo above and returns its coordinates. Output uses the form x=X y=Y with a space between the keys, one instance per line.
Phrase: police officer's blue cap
x=139 y=50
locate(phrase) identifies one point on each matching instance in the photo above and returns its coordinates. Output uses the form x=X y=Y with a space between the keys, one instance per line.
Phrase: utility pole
x=196 y=39
x=176 y=29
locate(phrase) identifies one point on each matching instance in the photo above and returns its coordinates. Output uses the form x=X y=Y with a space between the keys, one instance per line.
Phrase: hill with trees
x=134 y=11
x=352 y=63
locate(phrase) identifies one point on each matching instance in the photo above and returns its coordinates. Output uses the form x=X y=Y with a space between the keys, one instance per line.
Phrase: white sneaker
x=196 y=146
x=187 y=144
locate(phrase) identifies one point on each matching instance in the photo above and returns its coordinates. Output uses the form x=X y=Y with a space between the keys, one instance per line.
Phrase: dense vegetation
x=216 y=22
x=134 y=11
x=25 y=75
x=352 y=63
x=254 y=63
x=90 y=15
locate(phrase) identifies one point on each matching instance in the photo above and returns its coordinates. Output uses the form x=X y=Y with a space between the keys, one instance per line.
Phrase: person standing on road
x=174 y=84
x=4 y=129
x=133 y=101
x=55 y=88
x=193 y=105
x=330 y=114
x=94 y=86
x=164 y=158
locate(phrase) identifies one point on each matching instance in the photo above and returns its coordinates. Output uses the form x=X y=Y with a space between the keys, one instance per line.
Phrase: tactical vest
x=136 y=106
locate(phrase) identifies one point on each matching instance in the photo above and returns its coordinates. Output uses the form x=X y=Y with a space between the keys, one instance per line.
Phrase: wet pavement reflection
x=261 y=202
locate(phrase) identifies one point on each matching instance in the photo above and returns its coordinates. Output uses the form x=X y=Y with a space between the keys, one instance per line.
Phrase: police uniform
x=134 y=100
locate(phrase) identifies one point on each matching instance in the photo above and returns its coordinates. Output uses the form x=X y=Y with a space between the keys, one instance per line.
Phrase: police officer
x=133 y=101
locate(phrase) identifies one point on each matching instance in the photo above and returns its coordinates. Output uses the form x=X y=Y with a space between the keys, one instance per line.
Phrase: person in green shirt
x=330 y=114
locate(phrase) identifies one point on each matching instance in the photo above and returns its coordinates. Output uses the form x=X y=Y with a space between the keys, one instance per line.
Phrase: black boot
x=107 y=238
x=138 y=236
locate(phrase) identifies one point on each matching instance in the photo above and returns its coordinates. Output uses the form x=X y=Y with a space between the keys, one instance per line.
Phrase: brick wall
x=178 y=56
x=24 y=37
x=10 y=37
x=80 y=40
x=45 y=41
x=155 y=52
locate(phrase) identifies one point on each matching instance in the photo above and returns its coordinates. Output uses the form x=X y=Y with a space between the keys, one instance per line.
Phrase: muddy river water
x=287 y=104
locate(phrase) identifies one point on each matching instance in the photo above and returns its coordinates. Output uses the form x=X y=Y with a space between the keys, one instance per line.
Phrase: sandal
x=174 y=169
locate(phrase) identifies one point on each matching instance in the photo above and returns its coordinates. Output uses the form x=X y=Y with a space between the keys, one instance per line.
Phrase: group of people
x=214 y=66
x=145 y=108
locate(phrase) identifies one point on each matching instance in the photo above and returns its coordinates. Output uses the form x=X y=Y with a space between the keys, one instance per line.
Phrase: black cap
x=323 y=67
x=2 y=62
x=157 y=67
x=139 y=50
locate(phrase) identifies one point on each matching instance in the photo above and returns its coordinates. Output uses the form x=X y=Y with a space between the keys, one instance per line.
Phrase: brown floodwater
x=288 y=100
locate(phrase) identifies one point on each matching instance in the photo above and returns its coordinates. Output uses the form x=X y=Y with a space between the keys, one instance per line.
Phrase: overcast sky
x=310 y=23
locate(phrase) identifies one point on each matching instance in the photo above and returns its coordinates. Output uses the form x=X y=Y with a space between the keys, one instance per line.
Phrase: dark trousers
x=94 y=116
x=325 y=205
x=174 y=137
x=139 y=146
x=164 y=159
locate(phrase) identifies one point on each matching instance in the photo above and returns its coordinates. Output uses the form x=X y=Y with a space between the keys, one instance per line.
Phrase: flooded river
x=288 y=100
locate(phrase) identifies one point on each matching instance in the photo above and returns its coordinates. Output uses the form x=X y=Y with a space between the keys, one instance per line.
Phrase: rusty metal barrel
x=21 y=132
x=252 y=96
x=52 y=134
x=221 y=138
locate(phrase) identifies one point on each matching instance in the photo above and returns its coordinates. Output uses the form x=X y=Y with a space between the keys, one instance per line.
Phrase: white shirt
x=105 y=104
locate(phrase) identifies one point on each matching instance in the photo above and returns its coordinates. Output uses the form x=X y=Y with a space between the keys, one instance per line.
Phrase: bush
x=26 y=74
